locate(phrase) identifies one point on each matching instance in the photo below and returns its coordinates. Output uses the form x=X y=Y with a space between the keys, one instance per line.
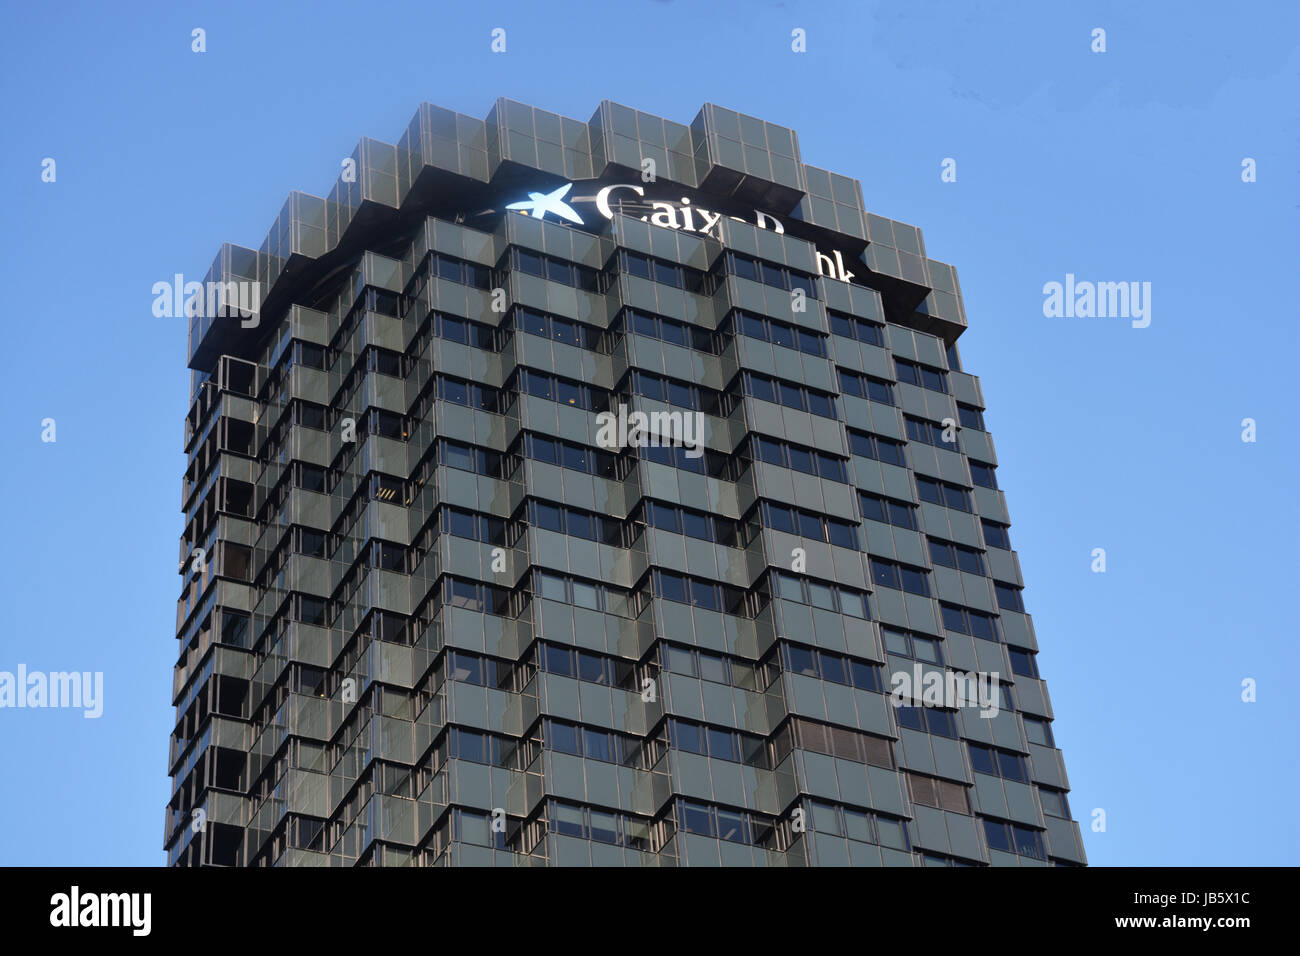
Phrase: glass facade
x=445 y=603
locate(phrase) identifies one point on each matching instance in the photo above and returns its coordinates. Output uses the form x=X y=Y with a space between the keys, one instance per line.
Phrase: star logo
x=539 y=204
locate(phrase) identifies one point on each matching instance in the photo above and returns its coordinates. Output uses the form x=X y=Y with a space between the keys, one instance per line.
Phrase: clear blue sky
x=1117 y=166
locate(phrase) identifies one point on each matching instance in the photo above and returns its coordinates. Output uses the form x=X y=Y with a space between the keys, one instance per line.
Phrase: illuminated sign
x=667 y=214
x=539 y=204
x=682 y=214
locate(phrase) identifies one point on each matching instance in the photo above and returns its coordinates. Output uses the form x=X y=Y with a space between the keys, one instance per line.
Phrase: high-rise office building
x=602 y=492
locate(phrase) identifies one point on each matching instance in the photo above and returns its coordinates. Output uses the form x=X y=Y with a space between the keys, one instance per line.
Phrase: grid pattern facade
x=429 y=616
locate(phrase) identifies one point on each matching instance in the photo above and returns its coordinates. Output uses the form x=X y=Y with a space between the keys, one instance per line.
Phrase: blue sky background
x=1117 y=166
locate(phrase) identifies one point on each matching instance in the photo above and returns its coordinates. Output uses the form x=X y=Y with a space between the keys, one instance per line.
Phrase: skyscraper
x=597 y=493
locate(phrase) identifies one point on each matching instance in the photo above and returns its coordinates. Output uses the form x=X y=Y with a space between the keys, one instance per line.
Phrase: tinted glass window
x=528 y=262
x=801 y=660
x=564 y=737
x=696 y=525
x=688 y=737
x=981 y=759
x=801 y=460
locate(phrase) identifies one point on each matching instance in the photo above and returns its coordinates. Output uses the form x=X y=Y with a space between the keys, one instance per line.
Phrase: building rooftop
x=449 y=165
